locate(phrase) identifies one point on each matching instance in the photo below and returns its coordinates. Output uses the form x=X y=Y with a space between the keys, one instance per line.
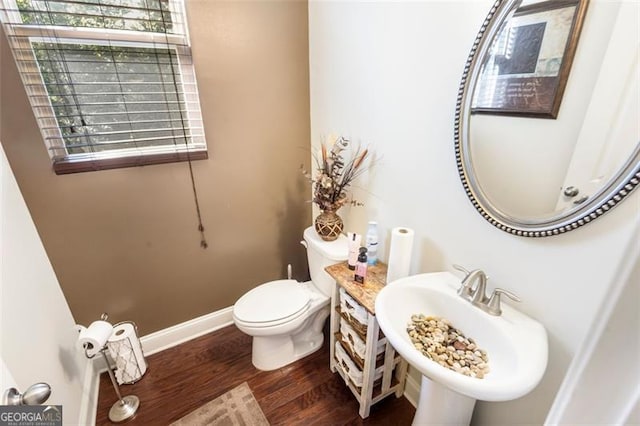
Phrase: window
x=111 y=82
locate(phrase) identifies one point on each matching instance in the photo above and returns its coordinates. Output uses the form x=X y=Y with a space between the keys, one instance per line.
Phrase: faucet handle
x=461 y=269
x=493 y=306
x=465 y=284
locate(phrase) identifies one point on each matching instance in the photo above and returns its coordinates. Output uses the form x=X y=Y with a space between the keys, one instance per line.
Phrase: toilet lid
x=272 y=301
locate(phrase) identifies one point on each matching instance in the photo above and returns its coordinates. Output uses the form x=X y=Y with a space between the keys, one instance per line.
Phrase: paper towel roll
x=94 y=337
x=126 y=351
x=400 y=253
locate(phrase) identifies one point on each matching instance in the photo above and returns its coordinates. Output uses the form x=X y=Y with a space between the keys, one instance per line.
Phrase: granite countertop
x=365 y=294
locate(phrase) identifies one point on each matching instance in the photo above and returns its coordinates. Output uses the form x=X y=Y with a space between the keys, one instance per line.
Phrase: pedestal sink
x=515 y=343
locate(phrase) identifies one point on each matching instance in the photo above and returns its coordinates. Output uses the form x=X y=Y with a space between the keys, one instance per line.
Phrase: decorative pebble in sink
x=439 y=341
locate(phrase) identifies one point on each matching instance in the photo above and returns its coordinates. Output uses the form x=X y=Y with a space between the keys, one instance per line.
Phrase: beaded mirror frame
x=613 y=193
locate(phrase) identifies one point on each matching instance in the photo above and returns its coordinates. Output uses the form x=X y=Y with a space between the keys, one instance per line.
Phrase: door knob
x=34 y=395
x=571 y=191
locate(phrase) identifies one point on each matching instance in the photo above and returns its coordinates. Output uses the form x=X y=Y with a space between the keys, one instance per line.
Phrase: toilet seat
x=272 y=303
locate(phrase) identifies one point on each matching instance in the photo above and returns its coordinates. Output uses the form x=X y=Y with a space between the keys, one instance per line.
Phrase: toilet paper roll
x=94 y=337
x=126 y=351
x=400 y=253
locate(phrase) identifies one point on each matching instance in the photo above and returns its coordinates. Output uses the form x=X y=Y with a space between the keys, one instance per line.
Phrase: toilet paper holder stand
x=125 y=407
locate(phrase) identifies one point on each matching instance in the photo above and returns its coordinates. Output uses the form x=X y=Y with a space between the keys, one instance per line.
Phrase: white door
x=37 y=331
x=597 y=390
x=6 y=380
x=611 y=130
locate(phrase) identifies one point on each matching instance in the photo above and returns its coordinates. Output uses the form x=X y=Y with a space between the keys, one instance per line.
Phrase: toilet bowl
x=286 y=317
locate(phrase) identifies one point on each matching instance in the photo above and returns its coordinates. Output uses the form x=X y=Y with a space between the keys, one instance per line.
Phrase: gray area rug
x=237 y=407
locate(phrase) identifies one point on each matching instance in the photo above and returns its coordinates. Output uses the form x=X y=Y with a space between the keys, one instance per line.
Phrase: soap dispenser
x=361 y=266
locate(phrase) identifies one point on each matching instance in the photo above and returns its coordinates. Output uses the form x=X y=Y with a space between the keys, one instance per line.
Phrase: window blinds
x=108 y=79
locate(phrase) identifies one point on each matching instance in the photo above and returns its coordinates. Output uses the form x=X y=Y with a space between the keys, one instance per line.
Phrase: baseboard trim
x=412 y=391
x=151 y=344
x=180 y=333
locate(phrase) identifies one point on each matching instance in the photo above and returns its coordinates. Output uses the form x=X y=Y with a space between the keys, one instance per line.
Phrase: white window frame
x=48 y=123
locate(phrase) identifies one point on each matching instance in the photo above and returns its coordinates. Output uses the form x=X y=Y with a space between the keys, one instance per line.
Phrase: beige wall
x=125 y=241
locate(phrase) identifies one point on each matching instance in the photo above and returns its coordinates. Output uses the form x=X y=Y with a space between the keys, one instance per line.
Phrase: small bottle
x=372 y=242
x=361 y=266
x=354 y=244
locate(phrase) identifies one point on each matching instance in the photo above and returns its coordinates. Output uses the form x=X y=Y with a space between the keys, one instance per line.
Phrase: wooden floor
x=181 y=379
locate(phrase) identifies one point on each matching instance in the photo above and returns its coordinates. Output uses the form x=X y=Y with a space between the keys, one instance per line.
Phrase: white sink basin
x=516 y=344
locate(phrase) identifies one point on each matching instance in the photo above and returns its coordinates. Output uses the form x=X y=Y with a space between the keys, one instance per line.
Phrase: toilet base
x=273 y=352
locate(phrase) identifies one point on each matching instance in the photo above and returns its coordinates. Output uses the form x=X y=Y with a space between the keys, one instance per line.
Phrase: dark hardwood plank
x=181 y=379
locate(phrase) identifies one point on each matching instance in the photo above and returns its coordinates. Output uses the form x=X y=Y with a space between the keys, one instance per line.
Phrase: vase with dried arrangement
x=333 y=177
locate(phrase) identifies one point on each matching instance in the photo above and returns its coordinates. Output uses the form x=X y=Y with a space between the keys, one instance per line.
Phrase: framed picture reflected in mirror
x=529 y=60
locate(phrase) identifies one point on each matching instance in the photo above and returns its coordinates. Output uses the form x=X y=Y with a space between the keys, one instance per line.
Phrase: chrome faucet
x=477 y=295
x=467 y=290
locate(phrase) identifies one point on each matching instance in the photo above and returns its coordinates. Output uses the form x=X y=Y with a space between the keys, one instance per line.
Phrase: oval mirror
x=547 y=136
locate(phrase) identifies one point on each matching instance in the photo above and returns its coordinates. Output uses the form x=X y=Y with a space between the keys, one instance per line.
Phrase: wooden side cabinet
x=360 y=352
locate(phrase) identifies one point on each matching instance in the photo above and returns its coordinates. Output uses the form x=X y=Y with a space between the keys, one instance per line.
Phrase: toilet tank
x=321 y=254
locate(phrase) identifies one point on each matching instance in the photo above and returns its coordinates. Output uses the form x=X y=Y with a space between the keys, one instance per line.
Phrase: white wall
x=387 y=73
x=36 y=327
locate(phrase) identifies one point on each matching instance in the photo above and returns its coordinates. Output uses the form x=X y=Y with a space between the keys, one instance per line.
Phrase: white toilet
x=286 y=317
